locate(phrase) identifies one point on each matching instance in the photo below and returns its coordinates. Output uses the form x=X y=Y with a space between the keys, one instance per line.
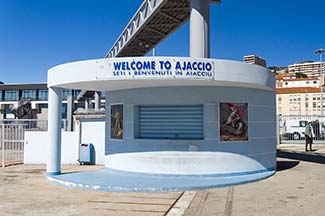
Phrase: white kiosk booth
x=178 y=116
x=173 y=123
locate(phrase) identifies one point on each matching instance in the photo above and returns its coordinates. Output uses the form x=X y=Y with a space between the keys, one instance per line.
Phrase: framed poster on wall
x=117 y=121
x=233 y=121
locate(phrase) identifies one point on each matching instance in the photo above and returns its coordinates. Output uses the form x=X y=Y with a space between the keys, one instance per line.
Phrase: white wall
x=260 y=147
x=92 y=131
x=36 y=147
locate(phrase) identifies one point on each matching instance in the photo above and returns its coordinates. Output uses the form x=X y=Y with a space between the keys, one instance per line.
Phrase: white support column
x=107 y=121
x=97 y=100
x=54 y=131
x=199 y=29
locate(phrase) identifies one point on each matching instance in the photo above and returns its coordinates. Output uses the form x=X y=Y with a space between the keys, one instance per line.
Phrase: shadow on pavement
x=301 y=156
x=284 y=165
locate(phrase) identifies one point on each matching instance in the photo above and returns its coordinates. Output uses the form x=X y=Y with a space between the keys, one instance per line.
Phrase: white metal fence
x=12 y=134
x=292 y=128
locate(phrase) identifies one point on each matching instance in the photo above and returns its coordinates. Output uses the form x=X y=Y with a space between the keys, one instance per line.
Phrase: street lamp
x=320 y=52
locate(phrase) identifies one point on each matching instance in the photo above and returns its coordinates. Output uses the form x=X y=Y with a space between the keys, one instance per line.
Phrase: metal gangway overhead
x=154 y=21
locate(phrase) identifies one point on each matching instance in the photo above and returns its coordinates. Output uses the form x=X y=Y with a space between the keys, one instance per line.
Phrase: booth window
x=170 y=122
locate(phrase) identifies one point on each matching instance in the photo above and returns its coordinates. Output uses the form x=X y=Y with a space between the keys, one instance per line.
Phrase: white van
x=294 y=129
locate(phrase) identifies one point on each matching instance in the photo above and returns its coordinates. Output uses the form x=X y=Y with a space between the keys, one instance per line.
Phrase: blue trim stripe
x=108 y=181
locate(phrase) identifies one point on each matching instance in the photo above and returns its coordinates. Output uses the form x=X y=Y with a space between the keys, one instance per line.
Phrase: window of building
x=279 y=99
x=66 y=93
x=306 y=105
x=43 y=94
x=286 y=83
x=307 y=82
x=11 y=95
x=80 y=104
x=290 y=97
x=76 y=93
x=170 y=122
x=314 y=82
x=102 y=105
x=25 y=94
x=64 y=110
x=8 y=109
x=314 y=105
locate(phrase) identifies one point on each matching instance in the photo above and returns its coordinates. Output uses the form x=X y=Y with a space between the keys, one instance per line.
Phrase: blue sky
x=36 y=35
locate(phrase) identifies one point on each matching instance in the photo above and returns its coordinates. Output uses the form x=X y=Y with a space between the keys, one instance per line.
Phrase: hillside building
x=310 y=68
x=253 y=59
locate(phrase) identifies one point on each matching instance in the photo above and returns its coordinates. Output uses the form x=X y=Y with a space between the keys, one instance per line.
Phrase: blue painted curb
x=53 y=173
x=111 y=181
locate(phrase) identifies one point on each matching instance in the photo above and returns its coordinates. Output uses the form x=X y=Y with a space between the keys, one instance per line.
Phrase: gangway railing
x=153 y=21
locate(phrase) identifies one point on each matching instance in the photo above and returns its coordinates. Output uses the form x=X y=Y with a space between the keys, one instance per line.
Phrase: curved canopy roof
x=140 y=72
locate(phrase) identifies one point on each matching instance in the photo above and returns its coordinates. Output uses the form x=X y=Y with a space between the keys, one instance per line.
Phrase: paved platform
x=25 y=192
x=114 y=180
x=296 y=189
x=319 y=149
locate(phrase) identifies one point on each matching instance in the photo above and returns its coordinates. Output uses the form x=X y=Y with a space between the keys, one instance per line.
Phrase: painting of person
x=117 y=121
x=233 y=121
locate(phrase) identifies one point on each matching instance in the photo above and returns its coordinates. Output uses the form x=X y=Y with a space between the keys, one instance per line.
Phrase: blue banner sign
x=162 y=68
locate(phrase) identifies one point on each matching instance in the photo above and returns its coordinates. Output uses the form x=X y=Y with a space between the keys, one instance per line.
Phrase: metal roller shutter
x=171 y=122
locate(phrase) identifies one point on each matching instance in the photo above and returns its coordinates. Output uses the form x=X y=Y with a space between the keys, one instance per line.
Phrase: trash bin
x=87 y=154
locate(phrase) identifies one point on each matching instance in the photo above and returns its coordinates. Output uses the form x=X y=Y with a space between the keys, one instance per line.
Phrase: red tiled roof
x=297 y=90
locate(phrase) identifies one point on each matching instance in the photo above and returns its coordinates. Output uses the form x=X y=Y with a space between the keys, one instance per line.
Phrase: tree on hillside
x=301 y=75
x=276 y=69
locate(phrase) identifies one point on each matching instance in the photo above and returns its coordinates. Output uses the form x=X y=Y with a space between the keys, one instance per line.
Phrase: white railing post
x=2 y=146
x=278 y=129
